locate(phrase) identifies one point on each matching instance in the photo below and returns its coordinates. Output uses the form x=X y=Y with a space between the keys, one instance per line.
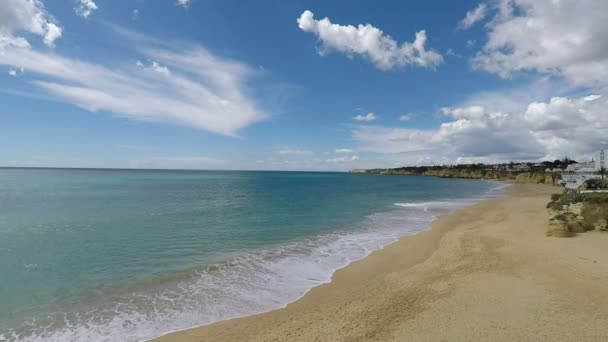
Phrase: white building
x=587 y=167
x=600 y=160
x=576 y=174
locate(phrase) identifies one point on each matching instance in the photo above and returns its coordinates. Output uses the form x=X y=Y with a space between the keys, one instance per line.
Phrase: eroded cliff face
x=524 y=178
x=572 y=213
x=537 y=178
x=517 y=177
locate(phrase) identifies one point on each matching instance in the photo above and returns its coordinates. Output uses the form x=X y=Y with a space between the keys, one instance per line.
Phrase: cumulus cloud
x=343 y=151
x=564 y=38
x=185 y=85
x=85 y=8
x=367 y=117
x=370 y=42
x=29 y=16
x=473 y=16
x=480 y=133
x=562 y=113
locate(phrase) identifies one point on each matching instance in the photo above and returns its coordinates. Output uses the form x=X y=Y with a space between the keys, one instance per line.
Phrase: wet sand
x=483 y=273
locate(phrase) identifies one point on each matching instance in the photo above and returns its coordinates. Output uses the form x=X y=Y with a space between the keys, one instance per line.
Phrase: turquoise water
x=126 y=255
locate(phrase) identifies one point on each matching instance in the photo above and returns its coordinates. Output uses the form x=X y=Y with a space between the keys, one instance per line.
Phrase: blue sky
x=299 y=85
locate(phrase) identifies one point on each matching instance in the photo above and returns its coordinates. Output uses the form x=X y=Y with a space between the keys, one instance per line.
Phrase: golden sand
x=484 y=273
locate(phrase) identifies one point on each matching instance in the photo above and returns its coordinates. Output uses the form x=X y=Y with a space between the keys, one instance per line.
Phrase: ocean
x=129 y=255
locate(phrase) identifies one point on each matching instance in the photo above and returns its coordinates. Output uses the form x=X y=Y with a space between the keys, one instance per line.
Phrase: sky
x=300 y=85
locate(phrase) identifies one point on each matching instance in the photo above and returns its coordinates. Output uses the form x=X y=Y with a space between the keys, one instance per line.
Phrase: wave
x=242 y=285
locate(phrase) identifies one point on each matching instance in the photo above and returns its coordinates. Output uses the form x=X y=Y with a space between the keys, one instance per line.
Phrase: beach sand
x=484 y=273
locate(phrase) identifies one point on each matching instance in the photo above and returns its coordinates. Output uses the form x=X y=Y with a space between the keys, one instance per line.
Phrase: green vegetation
x=596 y=184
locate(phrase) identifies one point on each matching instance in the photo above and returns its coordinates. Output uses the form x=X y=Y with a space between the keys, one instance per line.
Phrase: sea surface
x=129 y=255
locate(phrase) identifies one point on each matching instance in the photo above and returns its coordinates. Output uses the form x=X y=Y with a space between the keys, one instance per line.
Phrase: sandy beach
x=484 y=273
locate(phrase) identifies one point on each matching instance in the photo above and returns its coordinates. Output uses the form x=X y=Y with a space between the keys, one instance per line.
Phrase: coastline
x=485 y=272
x=268 y=277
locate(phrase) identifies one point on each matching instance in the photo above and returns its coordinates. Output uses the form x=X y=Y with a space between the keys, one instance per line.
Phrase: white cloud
x=564 y=113
x=29 y=16
x=289 y=151
x=343 y=151
x=406 y=117
x=160 y=69
x=453 y=53
x=52 y=34
x=201 y=91
x=473 y=16
x=135 y=14
x=469 y=113
x=12 y=72
x=85 y=8
x=184 y=3
x=486 y=133
x=154 y=66
x=370 y=42
x=565 y=38
x=367 y=117
x=342 y=159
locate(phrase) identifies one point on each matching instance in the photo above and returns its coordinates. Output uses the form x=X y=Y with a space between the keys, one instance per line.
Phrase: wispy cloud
x=184 y=3
x=182 y=84
x=342 y=159
x=367 y=117
x=473 y=16
x=290 y=151
x=406 y=117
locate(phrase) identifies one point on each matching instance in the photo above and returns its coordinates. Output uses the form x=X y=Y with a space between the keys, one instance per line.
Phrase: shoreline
x=464 y=267
x=260 y=281
x=503 y=188
x=174 y=335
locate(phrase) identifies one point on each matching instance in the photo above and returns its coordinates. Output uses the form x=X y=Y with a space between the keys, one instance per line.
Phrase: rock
x=576 y=209
x=602 y=225
x=575 y=226
x=558 y=229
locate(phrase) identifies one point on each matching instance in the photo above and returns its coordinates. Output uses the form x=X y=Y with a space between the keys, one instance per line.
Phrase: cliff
x=573 y=212
x=537 y=177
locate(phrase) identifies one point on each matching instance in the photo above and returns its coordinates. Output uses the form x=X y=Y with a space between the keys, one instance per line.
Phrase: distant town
x=566 y=172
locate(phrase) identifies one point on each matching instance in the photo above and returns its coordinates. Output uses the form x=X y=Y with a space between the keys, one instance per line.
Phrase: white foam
x=247 y=284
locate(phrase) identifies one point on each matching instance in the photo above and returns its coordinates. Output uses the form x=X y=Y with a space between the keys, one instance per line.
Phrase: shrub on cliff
x=596 y=184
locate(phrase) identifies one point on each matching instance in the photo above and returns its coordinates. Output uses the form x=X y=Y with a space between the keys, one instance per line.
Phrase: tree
x=602 y=172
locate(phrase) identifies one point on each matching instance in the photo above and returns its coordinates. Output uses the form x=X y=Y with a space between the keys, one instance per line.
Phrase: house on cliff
x=576 y=174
